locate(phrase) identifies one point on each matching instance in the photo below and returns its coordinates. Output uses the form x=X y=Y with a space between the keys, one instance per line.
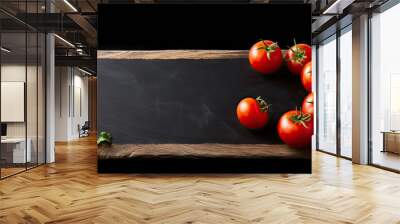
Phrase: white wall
x=12 y=73
x=62 y=81
x=80 y=109
x=71 y=94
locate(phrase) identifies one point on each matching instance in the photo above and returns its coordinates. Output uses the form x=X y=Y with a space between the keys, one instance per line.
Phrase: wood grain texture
x=71 y=191
x=10 y=170
x=117 y=151
x=173 y=54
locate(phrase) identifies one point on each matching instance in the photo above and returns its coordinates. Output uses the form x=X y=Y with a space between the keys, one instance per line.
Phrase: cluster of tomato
x=295 y=127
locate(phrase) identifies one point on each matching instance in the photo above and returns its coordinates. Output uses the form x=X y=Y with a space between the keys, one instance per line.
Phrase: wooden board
x=173 y=54
x=121 y=151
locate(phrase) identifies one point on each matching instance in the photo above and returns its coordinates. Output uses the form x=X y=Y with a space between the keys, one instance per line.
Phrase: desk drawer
x=392 y=142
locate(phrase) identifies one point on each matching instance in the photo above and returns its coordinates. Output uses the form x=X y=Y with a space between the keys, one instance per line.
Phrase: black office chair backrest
x=86 y=125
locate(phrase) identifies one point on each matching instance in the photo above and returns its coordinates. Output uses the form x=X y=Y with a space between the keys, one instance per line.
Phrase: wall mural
x=204 y=88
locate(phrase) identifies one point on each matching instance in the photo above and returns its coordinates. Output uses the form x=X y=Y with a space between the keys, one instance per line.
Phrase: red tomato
x=308 y=104
x=252 y=113
x=265 y=57
x=306 y=76
x=295 y=128
x=297 y=56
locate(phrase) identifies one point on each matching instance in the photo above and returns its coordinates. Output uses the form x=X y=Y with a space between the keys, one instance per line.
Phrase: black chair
x=84 y=130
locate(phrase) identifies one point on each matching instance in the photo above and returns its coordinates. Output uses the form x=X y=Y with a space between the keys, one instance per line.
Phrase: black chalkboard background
x=193 y=101
x=201 y=26
x=189 y=101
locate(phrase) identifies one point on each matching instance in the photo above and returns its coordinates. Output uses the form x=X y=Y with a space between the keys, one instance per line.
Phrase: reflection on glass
x=346 y=94
x=31 y=100
x=385 y=89
x=22 y=90
x=327 y=95
x=15 y=150
x=41 y=98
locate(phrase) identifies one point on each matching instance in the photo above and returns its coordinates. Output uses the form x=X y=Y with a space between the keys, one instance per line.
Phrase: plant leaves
x=104 y=137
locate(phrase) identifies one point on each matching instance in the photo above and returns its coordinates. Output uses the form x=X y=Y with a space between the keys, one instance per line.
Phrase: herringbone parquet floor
x=71 y=191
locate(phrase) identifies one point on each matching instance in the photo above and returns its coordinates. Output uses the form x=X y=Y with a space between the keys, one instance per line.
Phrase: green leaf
x=104 y=137
x=103 y=140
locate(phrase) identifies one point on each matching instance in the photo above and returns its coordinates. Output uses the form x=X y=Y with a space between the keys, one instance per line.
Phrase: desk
x=391 y=141
x=19 y=155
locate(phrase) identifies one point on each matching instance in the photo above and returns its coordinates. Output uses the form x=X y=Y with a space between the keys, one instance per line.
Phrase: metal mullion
x=45 y=88
x=369 y=91
x=316 y=96
x=26 y=87
x=45 y=96
x=37 y=91
x=338 y=94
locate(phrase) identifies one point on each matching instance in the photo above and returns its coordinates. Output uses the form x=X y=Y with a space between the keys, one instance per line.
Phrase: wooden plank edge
x=173 y=54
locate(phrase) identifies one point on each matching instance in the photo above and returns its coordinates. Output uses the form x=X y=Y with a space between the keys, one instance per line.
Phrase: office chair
x=84 y=130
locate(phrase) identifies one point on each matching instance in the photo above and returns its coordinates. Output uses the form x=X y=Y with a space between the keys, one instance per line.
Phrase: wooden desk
x=391 y=141
x=19 y=154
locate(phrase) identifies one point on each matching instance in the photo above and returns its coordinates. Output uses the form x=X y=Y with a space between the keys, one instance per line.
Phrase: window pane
x=346 y=94
x=327 y=96
x=385 y=84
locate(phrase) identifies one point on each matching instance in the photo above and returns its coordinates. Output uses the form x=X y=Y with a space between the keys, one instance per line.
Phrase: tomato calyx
x=300 y=118
x=299 y=54
x=264 y=106
x=268 y=48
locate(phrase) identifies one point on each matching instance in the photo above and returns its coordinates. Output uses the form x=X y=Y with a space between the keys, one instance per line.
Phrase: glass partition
x=14 y=151
x=22 y=77
x=31 y=99
x=41 y=97
x=346 y=92
x=385 y=89
x=327 y=95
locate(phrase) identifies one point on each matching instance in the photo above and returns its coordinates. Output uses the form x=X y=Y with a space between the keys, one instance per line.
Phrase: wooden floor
x=387 y=159
x=10 y=171
x=71 y=191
